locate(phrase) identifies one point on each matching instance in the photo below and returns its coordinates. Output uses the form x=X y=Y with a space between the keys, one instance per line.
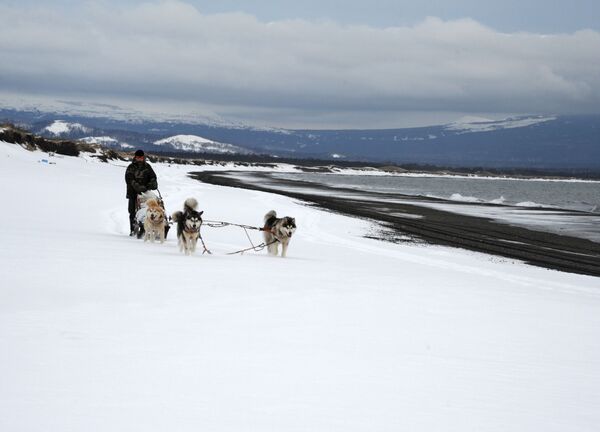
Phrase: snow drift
x=100 y=331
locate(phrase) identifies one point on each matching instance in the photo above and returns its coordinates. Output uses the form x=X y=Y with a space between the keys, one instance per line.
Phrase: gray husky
x=189 y=222
x=278 y=230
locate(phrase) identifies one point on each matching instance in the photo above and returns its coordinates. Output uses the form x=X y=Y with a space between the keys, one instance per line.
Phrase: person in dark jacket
x=140 y=177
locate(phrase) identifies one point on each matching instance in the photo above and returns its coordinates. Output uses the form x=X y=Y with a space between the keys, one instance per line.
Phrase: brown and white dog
x=189 y=222
x=155 y=221
x=278 y=230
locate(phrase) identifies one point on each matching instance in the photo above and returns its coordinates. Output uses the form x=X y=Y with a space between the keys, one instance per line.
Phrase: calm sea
x=571 y=195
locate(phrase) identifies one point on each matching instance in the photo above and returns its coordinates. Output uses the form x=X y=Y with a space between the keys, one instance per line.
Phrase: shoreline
x=434 y=226
x=441 y=174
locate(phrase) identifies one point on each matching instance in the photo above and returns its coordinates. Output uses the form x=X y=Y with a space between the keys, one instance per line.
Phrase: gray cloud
x=295 y=71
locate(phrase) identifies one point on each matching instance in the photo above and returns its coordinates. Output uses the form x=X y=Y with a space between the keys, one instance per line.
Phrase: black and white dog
x=278 y=230
x=189 y=222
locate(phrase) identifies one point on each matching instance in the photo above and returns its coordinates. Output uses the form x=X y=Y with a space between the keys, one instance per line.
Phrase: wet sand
x=439 y=227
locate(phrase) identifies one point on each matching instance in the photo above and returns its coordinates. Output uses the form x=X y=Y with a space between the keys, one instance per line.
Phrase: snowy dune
x=102 y=332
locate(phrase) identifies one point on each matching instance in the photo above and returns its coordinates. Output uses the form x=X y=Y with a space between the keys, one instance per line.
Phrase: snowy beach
x=559 y=239
x=100 y=331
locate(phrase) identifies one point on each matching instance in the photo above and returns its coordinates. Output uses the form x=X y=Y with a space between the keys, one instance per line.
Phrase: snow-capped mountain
x=480 y=124
x=198 y=144
x=61 y=128
x=531 y=141
x=105 y=141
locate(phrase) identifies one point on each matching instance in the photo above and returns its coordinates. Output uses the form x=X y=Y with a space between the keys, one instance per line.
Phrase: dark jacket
x=139 y=177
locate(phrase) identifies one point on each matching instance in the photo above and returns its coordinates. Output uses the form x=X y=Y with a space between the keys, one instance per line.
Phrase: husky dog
x=142 y=208
x=188 y=226
x=155 y=221
x=278 y=230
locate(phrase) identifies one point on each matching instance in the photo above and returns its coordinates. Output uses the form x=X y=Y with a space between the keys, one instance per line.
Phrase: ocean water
x=568 y=195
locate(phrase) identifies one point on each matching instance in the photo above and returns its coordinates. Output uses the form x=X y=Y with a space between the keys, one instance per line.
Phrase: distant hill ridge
x=18 y=136
x=198 y=144
x=12 y=134
x=526 y=142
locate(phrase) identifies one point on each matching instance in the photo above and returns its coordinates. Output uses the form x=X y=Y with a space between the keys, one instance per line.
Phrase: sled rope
x=253 y=247
x=221 y=224
x=256 y=248
x=203 y=244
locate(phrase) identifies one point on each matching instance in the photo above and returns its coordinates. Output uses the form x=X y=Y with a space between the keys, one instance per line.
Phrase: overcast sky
x=307 y=64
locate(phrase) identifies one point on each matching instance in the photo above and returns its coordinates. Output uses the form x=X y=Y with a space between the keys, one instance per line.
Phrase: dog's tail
x=271 y=215
x=190 y=204
x=176 y=216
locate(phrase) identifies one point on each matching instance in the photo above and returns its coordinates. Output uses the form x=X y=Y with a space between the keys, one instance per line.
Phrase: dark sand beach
x=421 y=223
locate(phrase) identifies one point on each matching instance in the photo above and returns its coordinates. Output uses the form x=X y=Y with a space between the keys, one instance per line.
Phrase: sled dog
x=278 y=230
x=142 y=208
x=188 y=226
x=155 y=221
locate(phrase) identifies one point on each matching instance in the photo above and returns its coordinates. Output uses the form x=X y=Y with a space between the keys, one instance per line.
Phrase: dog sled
x=140 y=212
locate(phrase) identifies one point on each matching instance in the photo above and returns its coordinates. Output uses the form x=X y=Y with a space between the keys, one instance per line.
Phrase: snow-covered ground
x=101 y=332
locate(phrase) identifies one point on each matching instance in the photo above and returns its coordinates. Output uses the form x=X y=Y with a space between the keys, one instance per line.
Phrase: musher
x=140 y=177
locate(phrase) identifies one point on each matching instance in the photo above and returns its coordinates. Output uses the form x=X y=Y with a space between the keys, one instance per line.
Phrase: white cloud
x=235 y=63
